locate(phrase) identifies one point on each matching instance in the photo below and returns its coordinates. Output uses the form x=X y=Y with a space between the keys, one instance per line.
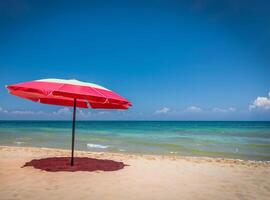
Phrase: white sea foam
x=98 y=146
x=19 y=143
x=122 y=150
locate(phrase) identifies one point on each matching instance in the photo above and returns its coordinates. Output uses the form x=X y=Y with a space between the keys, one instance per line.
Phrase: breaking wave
x=97 y=146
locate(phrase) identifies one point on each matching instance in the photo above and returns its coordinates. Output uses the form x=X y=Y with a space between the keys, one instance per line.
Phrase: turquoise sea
x=243 y=140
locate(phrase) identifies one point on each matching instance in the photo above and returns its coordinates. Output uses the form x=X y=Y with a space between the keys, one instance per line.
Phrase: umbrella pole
x=73 y=132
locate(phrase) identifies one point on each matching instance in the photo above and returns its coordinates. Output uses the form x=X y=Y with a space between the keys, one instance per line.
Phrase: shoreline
x=64 y=152
x=210 y=155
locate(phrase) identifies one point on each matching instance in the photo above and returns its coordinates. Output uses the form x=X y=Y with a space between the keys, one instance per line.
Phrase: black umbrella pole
x=73 y=132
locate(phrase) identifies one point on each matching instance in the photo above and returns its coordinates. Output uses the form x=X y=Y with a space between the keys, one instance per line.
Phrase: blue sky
x=174 y=60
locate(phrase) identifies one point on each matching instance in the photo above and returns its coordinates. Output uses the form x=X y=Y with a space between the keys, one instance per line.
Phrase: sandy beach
x=146 y=177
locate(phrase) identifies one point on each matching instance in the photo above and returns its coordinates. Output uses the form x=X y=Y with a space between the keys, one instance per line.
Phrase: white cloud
x=219 y=110
x=62 y=111
x=261 y=103
x=232 y=109
x=22 y=112
x=224 y=110
x=3 y=110
x=103 y=112
x=163 y=110
x=84 y=114
x=87 y=114
x=193 y=109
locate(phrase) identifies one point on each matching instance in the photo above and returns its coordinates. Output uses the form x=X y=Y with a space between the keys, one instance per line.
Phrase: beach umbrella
x=72 y=93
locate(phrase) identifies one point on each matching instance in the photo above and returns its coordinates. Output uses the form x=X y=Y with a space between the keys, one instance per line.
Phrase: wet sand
x=146 y=177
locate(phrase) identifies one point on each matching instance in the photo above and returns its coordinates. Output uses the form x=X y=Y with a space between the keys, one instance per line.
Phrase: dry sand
x=147 y=177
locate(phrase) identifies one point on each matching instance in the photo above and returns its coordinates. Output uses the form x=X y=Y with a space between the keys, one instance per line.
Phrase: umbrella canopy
x=69 y=93
x=63 y=92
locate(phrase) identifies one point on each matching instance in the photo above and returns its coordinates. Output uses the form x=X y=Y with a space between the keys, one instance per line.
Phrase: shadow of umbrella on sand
x=71 y=93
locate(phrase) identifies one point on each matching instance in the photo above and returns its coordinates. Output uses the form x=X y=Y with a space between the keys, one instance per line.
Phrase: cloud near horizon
x=194 y=109
x=3 y=110
x=18 y=112
x=60 y=113
x=224 y=110
x=163 y=110
x=262 y=103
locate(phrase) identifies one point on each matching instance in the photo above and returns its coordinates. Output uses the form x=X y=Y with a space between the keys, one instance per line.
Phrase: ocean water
x=242 y=140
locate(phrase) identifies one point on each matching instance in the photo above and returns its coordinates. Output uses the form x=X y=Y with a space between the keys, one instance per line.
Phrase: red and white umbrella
x=69 y=93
